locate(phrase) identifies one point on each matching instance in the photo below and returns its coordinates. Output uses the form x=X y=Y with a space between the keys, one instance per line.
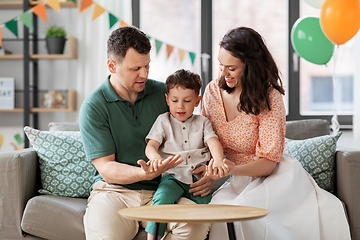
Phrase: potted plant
x=55 y=39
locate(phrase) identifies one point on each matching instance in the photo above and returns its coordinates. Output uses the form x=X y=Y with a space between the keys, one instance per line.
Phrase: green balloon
x=310 y=42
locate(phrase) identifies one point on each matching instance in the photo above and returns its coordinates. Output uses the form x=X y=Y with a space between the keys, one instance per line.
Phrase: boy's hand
x=153 y=163
x=220 y=168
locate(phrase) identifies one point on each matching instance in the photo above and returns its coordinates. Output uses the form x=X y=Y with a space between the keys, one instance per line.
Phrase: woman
x=245 y=106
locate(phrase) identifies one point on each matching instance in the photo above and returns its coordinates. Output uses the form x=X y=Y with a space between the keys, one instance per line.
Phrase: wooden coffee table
x=194 y=213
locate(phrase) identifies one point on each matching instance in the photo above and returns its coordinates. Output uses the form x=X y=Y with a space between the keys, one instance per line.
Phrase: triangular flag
x=123 y=24
x=0 y=38
x=12 y=26
x=112 y=20
x=192 y=57
x=71 y=1
x=181 y=54
x=27 y=19
x=40 y=10
x=54 y=4
x=85 y=4
x=148 y=37
x=169 y=50
x=98 y=10
x=158 y=45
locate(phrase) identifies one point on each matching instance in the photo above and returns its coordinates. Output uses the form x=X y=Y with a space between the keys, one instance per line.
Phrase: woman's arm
x=259 y=168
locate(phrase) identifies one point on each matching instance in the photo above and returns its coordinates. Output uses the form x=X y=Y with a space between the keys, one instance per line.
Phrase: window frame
x=293 y=59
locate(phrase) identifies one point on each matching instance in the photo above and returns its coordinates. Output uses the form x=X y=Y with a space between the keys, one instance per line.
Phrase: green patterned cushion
x=64 y=169
x=317 y=156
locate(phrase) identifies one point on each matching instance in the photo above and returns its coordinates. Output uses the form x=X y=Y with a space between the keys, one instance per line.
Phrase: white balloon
x=315 y=3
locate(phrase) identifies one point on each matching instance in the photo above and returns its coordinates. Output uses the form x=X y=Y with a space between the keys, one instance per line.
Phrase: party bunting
x=98 y=10
x=192 y=57
x=27 y=19
x=169 y=50
x=112 y=20
x=123 y=24
x=85 y=4
x=40 y=11
x=54 y=4
x=158 y=45
x=12 y=26
x=181 y=54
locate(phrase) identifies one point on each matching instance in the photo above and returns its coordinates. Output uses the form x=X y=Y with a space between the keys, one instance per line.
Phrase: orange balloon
x=340 y=20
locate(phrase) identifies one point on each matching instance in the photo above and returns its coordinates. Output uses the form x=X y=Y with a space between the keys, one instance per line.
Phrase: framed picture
x=7 y=93
x=11 y=138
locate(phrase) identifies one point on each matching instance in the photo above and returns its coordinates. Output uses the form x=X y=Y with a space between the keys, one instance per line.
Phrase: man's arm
x=120 y=173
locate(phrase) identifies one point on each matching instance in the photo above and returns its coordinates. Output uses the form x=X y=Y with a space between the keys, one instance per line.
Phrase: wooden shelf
x=71 y=102
x=71 y=54
x=19 y=4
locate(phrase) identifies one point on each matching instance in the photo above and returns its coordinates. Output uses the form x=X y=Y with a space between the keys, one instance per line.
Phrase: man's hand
x=161 y=167
x=204 y=185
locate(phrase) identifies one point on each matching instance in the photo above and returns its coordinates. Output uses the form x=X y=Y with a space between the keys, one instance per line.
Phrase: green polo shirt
x=110 y=124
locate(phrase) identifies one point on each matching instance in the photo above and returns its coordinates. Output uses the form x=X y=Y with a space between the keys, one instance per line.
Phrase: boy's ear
x=111 y=64
x=167 y=99
x=198 y=100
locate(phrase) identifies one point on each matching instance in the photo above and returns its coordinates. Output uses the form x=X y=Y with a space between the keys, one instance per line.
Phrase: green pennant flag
x=27 y=19
x=71 y=1
x=148 y=37
x=12 y=26
x=192 y=57
x=112 y=20
x=158 y=45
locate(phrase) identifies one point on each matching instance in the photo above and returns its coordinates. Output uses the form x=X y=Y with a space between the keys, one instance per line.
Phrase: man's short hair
x=123 y=38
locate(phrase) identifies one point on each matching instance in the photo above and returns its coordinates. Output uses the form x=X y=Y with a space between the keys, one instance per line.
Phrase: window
x=269 y=18
x=317 y=83
x=176 y=24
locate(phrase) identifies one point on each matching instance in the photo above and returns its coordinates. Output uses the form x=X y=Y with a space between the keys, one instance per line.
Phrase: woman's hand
x=204 y=185
x=213 y=172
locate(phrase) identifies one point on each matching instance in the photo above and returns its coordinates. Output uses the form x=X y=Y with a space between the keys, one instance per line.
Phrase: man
x=114 y=121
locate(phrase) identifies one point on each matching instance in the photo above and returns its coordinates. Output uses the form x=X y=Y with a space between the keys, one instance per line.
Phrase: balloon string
x=335 y=126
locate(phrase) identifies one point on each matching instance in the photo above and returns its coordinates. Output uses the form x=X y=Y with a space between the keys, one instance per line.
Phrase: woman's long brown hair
x=260 y=71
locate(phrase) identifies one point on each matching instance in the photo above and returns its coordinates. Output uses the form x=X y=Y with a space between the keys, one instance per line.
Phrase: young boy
x=180 y=132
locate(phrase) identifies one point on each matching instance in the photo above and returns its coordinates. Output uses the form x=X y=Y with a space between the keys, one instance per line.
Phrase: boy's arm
x=151 y=152
x=217 y=154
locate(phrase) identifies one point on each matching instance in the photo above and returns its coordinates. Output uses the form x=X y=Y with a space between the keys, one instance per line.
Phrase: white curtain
x=356 y=116
x=92 y=36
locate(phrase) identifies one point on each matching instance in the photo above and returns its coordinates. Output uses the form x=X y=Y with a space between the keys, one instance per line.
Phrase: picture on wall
x=7 y=93
x=11 y=138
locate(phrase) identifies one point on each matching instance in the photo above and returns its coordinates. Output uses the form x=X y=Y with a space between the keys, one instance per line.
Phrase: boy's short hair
x=123 y=38
x=184 y=78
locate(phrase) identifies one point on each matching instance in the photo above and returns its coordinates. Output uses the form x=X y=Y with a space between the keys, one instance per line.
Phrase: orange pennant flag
x=123 y=24
x=40 y=10
x=181 y=54
x=98 y=10
x=54 y=4
x=0 y=38
x=169 y=50
x=85 y=4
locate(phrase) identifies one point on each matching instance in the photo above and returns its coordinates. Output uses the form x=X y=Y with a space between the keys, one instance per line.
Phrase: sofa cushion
x=54 y=217
x=317 y=156
x=64 y=169
x=309 y=128
x=64 y=126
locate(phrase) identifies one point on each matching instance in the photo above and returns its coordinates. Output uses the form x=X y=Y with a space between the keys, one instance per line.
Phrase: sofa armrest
x=18 y=177
x=347 y=184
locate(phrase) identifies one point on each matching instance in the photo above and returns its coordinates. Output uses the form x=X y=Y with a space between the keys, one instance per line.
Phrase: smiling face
x=182 y=102
x=130 y=74
x=231 y=68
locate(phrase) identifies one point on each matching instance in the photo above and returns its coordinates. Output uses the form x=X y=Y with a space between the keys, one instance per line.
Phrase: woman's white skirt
x=299 y=209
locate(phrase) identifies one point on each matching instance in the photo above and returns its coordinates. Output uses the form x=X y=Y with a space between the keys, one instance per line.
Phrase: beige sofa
x=24 y=214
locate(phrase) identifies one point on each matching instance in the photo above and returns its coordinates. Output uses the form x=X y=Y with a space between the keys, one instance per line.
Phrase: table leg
x=231 y=230
x=156 y=230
